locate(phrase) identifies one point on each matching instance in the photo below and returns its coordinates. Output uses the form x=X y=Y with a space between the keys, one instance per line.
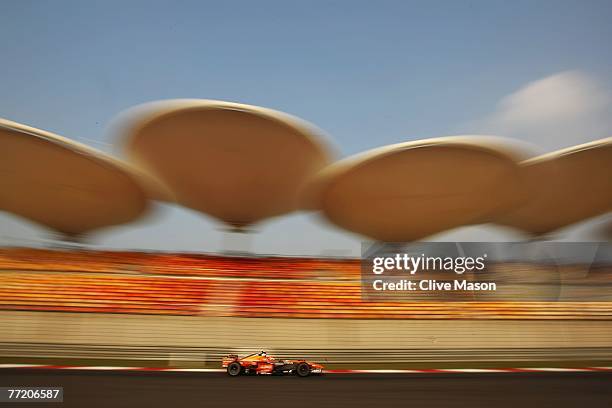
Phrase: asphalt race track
x=155 y=389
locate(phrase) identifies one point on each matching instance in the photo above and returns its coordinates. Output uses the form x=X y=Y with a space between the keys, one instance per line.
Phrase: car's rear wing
x=230 y=358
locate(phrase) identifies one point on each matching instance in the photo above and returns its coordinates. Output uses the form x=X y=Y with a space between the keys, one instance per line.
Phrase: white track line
x=99 y=368
x=220 y=370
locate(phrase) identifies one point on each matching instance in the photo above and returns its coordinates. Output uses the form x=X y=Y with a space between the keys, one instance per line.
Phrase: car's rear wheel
x=234 y=369
x=303 y=370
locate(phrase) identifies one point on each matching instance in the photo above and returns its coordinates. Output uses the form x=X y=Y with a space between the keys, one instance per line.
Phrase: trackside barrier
x=209 y=355
x=199 y=339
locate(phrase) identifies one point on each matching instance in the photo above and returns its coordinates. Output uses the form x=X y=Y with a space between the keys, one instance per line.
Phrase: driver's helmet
x=263 y=354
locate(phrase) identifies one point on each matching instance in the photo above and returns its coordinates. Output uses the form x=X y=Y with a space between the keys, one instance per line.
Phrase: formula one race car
x=261 y=363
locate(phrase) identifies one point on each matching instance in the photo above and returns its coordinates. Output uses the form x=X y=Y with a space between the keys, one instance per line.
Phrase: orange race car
x=261 y=363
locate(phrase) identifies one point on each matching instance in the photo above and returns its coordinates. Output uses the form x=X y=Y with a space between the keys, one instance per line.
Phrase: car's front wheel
x=303 y=370
x=234 y=369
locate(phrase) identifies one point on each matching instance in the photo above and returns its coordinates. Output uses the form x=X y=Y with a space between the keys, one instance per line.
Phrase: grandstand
x=212 y=285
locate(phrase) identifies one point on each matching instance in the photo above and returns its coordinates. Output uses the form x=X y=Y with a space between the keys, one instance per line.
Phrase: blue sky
x=367 y=73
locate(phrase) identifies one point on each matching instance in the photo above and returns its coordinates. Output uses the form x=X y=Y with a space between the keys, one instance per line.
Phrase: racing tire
x=234 y=369
x=303 y=370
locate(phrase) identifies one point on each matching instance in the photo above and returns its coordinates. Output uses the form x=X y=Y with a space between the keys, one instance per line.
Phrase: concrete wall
x=231 y=332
